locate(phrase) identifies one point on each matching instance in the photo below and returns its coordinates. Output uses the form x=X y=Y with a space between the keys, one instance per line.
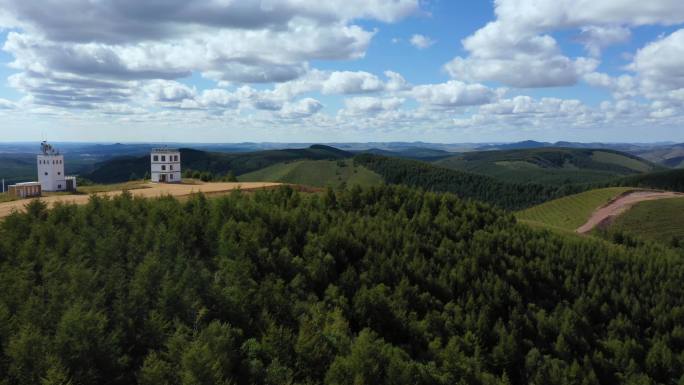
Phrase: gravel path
x=605 y=214
x=150 y=191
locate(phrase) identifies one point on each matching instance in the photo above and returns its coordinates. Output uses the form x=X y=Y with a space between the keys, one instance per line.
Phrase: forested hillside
x=550 y=165
x=672 y=180
x=16 y=168
x=387 y=285
x=216 y=163
x=512 y=196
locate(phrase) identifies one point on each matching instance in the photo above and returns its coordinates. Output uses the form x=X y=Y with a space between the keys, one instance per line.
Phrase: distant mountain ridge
x=418 y=153
x=531 y=144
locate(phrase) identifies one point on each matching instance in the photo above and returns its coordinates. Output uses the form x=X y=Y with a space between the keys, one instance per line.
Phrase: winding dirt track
x=606 y=214
x=150 y=190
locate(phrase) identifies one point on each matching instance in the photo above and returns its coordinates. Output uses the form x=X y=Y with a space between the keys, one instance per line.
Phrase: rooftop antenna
x=47 y=149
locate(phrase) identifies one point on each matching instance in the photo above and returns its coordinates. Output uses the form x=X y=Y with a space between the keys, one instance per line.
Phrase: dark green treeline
x=387 y=285
x=510 y=196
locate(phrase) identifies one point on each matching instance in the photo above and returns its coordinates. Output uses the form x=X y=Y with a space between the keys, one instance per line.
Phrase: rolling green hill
x=512 y=196
x=18 y=168
x=319 y=173
x=550 y=165
x=670 y=155
x=675 y=162
x=570 y=212
x=121 y=169
x=659 y=220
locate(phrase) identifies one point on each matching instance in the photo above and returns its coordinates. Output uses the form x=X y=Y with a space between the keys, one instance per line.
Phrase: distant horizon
x=341 y=142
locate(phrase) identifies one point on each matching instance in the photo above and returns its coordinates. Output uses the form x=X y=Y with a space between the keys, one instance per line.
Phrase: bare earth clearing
x=605 y=214
x=150 y=190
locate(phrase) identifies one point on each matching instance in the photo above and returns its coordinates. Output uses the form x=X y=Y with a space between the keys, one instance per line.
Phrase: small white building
x=51 y=169
x=25 y=190
x=165 y=165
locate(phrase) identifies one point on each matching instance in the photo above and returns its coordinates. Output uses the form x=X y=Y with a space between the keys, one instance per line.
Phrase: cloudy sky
x=342 y=70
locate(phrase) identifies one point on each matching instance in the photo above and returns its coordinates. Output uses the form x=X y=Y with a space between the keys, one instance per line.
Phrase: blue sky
x=354 y=70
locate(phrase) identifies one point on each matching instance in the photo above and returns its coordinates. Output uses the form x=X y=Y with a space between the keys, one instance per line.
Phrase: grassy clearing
x=570 y=212
x=97 y=188
x=659 y=220
x=318 y=173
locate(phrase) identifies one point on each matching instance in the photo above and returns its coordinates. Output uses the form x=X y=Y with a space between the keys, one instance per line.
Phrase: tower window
x=156 y=158
x=163 y=168
x=163 y=158
x=46 y=173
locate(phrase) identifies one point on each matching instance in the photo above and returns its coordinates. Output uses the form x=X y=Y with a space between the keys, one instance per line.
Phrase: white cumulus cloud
x=421 y=41
x=453 y=94
x=518 y=50
x=58 y=44
x=301 y=108
x=371 y=105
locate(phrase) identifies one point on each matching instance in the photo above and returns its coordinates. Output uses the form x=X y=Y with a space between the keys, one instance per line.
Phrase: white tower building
x=51 y=169
x=166 y=165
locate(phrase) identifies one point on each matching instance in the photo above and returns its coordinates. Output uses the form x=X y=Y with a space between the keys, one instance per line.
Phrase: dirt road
x=149 y=191
x=605 y=214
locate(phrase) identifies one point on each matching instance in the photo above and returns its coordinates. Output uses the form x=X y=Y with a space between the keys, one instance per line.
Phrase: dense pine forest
x=384 y=285
x=672 y=180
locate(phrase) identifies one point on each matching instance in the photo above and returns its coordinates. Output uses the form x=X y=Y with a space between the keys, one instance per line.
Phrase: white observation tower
x=165 y=165
x=51 y=169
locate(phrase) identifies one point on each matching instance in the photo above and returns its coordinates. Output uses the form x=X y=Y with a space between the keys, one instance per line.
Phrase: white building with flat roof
x=25 y=190
x=51 y=169
x=165 y=165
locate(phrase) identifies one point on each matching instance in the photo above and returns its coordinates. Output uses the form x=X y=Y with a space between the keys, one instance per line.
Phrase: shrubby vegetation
x=206 y=176
x=387 y=285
